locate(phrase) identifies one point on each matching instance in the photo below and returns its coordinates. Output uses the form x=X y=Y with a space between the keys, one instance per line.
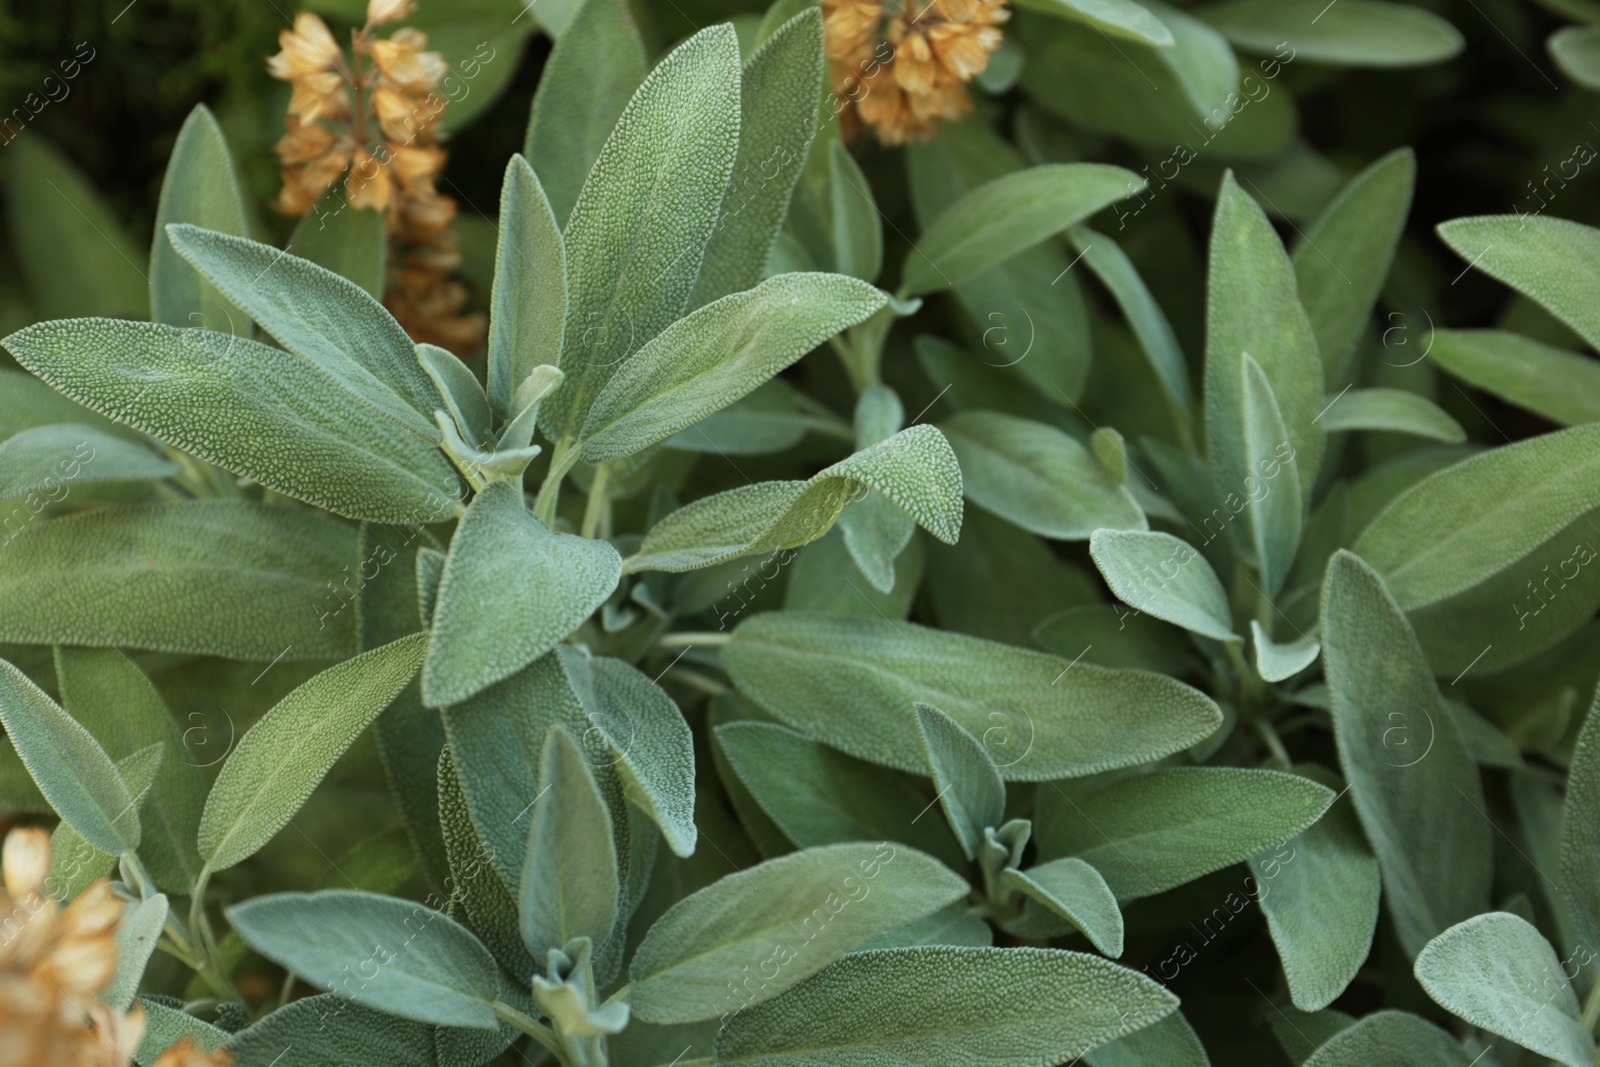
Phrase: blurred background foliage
x=1495 y=128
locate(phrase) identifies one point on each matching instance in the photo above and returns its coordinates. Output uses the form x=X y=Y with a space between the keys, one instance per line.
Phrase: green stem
x=534 y=1029
x=1591 y=1008
x=1280 y=754
x=208 y=964
x=599 y=500
x=562 y=460
x=688 y=638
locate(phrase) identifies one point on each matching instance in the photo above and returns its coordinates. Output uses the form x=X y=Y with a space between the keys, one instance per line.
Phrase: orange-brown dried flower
x=54 y=964
x=372 y=119
x=189 y=1053
x=903 y=65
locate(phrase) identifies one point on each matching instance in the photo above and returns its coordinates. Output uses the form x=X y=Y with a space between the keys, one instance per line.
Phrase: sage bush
x=915 y=532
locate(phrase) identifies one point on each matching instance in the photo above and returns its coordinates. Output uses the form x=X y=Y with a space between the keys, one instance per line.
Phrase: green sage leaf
x=1012 y=213
x=796 y=914
x=946 y=1007
x=1414 y=783
x=717 y=355
x=569 y=879
x=426 y=967
x=511 y=589
x=1038 y=477
x=1040 y=717
x=1498 y=972
x=69 y=766
x=282 y=758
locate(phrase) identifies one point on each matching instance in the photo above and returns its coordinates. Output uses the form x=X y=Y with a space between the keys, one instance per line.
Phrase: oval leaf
x=850 y=681
x=1012 y=213
x=795 y=914
x=511 y=589
x=249 y=408
x=943 y=1006
x=425 y=966
x=286 y=754
x=718 y=354
x=1135 y=564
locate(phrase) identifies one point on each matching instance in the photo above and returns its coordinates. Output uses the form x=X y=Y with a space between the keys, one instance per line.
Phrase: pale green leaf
x=1077 y=893
x=781 y=85
x=762 y=422
x=51 y=459
x=947 y=1007
x=1038 y=477
x=955 y=924
x=1393 y=410
x=69 y=766
x=915 y=468
x=141 y=927
x=1341 y=263
x=1040 y=717
x=202 y=188
x=569 y=878
x=1462 y=525
x=592 y=72
x=1352 y=33
x=647 y=742
x=1561 y=385
x=75 y=254
x=460 y=394
x=967 y=783
x=1414 y=783
x=249 y=408
x=641 y=223
x=1580 y=834
x=529 y=301
x=1105 y=85
x=284 y=757
x=115 y=702
x=857 y=222
x=427 y=967
x=328 y=321
x=1147 y=834
x=1576 y=50
x=1554 y=262
x=1136 y=565
x=349 y=241
x=1149 y=323
x=220 y=578
x=166 y=1026
x=1279 y=662
x=1115 y=18
x=329 y=1030
x=1499 y=973
x=511 y=589
x=478 y=894
x=1252 y=306
x=1390 y=1037
x=796 y=914
x=497 y=739
x=718 y=354
x=818 y=796
x=1273 y=518
x=1171 y=1042
x=1012 y=213
x=1319 y=893
x=875 y=533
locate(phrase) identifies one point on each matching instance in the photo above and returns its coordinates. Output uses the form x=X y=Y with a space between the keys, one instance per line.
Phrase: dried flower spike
x=54 y=964
x=904 y=64
x=372 y=119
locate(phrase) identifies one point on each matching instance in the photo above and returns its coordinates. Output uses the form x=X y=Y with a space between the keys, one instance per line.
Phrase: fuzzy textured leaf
x=851 y=681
